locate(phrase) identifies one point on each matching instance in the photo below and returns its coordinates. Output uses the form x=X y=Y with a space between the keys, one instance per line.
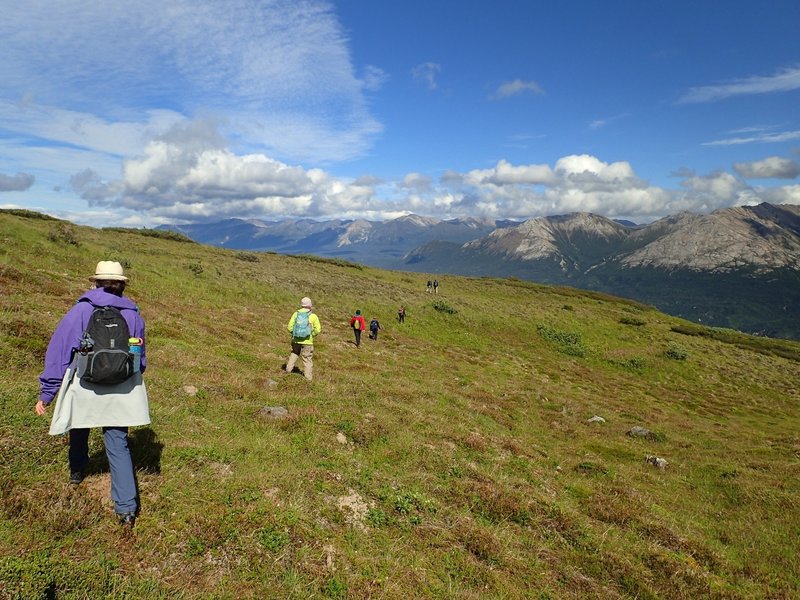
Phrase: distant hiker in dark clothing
x=358 y=325
x=428 y=288
x=435 y=286
x=401 y=315
x=374 y=328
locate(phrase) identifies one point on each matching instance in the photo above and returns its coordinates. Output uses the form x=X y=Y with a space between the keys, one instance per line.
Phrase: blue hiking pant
x=123 y=480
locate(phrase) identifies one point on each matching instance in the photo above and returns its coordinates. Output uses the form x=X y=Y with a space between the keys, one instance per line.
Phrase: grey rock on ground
x=641 y=432
x=274 y=413
x=661 y=463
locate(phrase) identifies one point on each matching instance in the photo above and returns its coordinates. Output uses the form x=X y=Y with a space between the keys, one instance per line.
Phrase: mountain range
x=736 y=267
x=376 y=243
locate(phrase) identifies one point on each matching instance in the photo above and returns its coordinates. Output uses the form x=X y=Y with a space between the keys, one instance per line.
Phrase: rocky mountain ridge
x=737 y=267
x=763 y=237
x=376 y=243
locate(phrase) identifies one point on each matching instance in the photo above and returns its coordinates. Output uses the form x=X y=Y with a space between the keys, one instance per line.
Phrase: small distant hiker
x=374 y=328
x=93 y=371
x=358 y=325
x=401 y=315
x=304 y=327
x=435 y=286
x=429 y=286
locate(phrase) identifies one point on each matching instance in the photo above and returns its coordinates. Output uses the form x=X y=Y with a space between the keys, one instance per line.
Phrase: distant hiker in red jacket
x=358 y=325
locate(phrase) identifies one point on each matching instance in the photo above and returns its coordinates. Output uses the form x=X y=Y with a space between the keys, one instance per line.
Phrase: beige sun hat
x=305 y=302
x=108 y=270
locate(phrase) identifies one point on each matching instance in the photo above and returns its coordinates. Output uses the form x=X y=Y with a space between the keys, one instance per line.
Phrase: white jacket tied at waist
x=82 y=405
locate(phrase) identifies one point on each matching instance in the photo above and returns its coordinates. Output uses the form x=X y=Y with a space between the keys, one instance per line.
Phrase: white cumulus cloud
x=16 y=183
x=773 y=167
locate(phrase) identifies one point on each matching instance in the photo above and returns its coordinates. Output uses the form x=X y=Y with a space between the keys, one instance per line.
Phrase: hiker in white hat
x=108 y=270
x=114 y=403
x=304 y=326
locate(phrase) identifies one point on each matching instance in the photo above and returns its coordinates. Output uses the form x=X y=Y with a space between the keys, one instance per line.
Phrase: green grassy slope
x=452 y=458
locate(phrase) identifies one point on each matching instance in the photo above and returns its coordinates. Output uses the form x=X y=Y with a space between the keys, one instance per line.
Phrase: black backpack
x=103 y=350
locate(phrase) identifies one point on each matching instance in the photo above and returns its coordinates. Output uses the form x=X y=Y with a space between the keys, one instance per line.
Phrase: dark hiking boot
x=126 y=520
x=76 y=477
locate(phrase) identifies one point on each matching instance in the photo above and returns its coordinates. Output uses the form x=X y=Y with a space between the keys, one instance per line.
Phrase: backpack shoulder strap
x=134 y=308
x=87 y=301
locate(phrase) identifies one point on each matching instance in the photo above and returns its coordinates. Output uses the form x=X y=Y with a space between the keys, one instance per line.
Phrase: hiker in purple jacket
x=110 y=284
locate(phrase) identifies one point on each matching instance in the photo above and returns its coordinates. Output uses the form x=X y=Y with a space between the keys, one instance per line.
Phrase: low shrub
x=444 y=307
x=195 y=267
x=775 y=347
x=339 y=262
x=164 y=234
x=63 y=233
x=676 y=352
x=27 y=214
x=565 y=341
x=635 y=321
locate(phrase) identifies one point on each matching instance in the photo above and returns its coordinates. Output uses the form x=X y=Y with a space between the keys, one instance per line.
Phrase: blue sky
x=150 y=112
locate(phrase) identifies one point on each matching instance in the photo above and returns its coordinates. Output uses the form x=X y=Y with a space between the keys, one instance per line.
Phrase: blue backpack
x=302 y=326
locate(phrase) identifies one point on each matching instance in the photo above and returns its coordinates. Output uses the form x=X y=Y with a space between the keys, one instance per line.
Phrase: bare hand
x=40 y=408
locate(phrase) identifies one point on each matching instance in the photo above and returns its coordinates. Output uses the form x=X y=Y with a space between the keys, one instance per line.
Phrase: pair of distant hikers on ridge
x=358 y=324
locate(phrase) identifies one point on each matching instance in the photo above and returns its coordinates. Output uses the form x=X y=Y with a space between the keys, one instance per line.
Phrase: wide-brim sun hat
x=306 y=302
x=108 y=270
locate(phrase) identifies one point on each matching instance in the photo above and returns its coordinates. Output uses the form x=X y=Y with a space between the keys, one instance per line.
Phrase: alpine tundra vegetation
x=507 y=440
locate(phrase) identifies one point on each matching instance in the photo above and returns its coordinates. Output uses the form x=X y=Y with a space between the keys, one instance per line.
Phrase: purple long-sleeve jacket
x=67 y=336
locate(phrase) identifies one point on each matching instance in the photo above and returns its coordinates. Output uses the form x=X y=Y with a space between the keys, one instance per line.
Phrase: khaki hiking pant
x=306 y=352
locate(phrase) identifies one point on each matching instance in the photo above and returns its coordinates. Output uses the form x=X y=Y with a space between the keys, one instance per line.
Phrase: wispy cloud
x=374 y=78
x=514 y=88
x=600 y=123
x=752 y=129
x=766 y=138
x=259 y=67
x=427 y=74
x=785 y=80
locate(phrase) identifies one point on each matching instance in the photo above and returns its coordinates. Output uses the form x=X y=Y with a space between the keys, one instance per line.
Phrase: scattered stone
x=596 y=419
x=329 y=552
x=221 y=469
x=340 y=437
x=272 y=383
x=661 y=463
x=641 y=432
x=355 y=509
x=190 y=390
x=274 y=413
